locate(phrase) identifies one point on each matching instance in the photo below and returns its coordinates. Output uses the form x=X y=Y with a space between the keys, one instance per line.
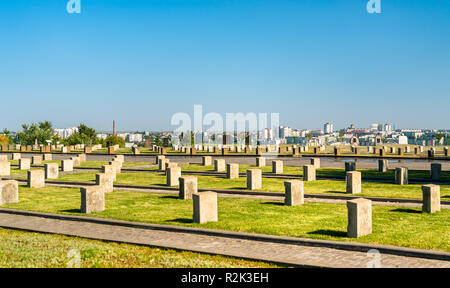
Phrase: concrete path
x=242 y=245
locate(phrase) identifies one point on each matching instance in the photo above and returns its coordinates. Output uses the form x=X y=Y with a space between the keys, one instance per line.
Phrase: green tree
x=438 y=137
x=40 y=132
x=157 y=140
x=7 y=136
x=56 y=139
x=73 y=139
x=115 y=140
x=6 y=132
x=4 y=140
x=87 y=133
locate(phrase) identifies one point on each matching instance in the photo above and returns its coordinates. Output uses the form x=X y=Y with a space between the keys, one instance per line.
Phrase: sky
x=141 y=61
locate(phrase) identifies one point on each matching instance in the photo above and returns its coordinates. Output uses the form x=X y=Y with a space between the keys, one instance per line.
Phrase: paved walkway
x=190 y=239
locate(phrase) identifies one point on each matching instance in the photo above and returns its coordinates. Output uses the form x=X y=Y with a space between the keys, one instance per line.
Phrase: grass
x=406 y=227
x=21 y=249
x=321 y=171
x=324 y=187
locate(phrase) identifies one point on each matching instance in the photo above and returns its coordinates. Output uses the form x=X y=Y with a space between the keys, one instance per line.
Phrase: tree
x=56 y=139
x=115 y=140
x=158 y=140
x=438 y=137
x=4 y=140
x=87 y=133
x=6 y=137
x=40 y=132
x=341 y=137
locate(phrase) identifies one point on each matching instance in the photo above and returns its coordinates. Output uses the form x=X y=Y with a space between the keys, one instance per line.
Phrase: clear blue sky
x=141 y=61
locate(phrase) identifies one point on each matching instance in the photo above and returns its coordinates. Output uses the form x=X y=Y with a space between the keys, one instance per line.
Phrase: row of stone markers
x=93 y=197
x=25 y=163
x=401 y=173
x=49 y=149
x=246 y=149
x=36 y=178
x=254 y=176
x=232 y=169
x=383 y=150
x=359 y=211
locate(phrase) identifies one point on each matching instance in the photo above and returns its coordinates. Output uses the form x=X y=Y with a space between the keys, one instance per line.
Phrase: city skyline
x=321 y=127
x=331 y=129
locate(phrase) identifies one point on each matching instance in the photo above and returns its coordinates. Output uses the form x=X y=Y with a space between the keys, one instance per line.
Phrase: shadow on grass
x=406 y=210
x=169 y=197
x=333 y=233
x=273 y=203
x=181 y=220
x=71 y=211
x=446 y=196
x=337 y=192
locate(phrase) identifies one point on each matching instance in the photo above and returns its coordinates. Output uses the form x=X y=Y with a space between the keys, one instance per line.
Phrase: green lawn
x=321 y=171
x=398 y=226
x=326 y=187
x=19 y=249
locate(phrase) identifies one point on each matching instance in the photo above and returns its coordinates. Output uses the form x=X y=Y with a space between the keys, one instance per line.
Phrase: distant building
x=102 y=136
x=374 y=126
x=285 y=132
x=64 y=133
x=402 y=139
x=328 y=128
x=135 y=137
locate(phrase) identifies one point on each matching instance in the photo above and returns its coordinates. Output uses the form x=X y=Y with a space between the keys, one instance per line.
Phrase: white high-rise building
x=328 y=128
x=285 y=132
x=64 y=133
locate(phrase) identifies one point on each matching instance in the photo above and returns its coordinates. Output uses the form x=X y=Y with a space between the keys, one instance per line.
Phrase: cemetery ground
x=324 y=187
x=393 y=225
x=398 y=226
x=20 y=249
